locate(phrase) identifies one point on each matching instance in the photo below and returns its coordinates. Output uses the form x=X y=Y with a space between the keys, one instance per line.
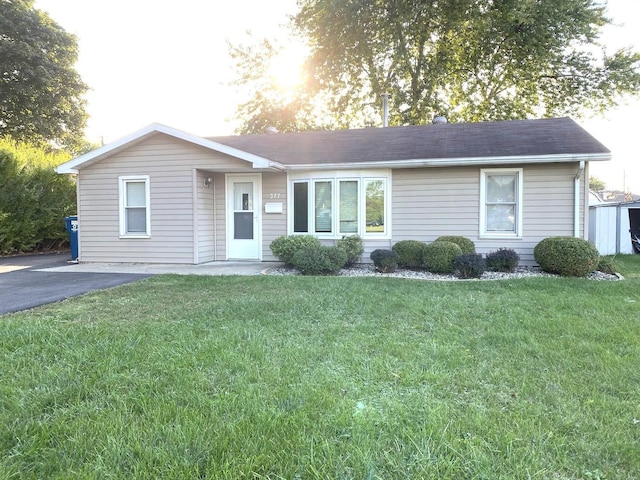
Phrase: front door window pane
x=243 y=225
x=243 y=196
x=323 y=209
x=375 y=206
x=243 y=210
x=349 y=206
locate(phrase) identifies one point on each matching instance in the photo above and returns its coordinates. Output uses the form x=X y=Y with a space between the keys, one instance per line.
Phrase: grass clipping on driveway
x=299 y=378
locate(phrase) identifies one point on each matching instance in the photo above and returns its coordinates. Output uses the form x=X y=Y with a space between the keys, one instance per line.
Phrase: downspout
x=576 y=199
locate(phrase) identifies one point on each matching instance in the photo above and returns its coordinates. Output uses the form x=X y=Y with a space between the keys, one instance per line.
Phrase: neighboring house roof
x=632 y=204
x=615 y=196
x=507 y=142
x=518 y=141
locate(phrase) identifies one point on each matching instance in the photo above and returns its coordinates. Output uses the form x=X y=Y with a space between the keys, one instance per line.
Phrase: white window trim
x=518 y=234
x=122 y=181
x=361 y=176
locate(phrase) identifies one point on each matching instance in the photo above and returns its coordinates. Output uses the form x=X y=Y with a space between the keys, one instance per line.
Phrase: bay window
x=334 y=207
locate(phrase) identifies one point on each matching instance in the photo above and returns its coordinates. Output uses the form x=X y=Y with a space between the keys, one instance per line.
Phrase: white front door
x=243 y=217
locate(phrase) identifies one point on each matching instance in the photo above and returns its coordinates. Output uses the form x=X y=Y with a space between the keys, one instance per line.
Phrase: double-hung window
x=338 y=206
x=501 y=202
x=135 y=218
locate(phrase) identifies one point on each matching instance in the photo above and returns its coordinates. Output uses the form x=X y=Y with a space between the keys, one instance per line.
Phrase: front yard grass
x=336 y=377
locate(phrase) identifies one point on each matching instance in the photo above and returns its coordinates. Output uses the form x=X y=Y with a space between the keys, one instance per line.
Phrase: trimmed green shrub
x=353 y=246
x=439 y=256
x=385 y=261
x=607 y=265
x=503 y=260
x=469 y=265
x=319 y=260
x=566 y=256
x=285 y=247
x=466 y=245
x=409 y=253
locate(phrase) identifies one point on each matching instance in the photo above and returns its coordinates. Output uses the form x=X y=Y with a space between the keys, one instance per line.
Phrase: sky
x=149 y=61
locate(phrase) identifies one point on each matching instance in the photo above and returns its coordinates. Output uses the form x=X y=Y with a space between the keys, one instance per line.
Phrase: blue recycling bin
x=72 y=227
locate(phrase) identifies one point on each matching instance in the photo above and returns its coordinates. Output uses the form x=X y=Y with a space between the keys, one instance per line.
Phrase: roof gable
x=105 y=151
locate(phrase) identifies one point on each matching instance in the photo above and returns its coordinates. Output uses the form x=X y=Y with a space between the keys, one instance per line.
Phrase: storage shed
x=611 y=224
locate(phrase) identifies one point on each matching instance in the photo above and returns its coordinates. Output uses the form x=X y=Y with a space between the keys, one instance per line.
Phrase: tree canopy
x=41 y=94
x=470 y=60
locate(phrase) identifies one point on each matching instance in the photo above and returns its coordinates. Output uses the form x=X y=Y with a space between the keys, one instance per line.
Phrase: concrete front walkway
x=212 y=268
x=33 y=280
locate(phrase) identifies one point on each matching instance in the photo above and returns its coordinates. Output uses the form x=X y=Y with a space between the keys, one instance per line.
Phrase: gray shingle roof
x=529 y=138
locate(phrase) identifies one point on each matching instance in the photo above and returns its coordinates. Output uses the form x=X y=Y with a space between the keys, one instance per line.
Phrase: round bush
x=285 y=247
x=353 y=246
x=409 y=253
x=439 y=257
x=466 y=245
x=319 y=260
x=470 y=265
x=385 y=261
x=503 y=260
x=566 y=256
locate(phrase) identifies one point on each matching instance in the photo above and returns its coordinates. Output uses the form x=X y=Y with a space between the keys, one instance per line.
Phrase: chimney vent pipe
x=385 y=109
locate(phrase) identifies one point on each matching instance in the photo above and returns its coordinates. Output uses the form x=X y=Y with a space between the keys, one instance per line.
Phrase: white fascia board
x=73 y=165
x=456 y=162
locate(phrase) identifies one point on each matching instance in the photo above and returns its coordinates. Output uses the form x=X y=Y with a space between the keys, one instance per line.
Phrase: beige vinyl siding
x=170 y=164
x=428 y=203
x=220 y=216
x=274 y=189
x=204 y=218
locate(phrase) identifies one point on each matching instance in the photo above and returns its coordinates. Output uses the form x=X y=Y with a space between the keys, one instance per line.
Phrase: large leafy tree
x=469 y=60
x=289 y=108
x=41 y=94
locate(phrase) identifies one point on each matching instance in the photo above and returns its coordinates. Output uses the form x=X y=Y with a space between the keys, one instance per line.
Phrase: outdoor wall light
x=207 y=181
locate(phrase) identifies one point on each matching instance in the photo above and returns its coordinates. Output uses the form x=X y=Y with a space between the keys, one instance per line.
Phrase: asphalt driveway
x=22 y=286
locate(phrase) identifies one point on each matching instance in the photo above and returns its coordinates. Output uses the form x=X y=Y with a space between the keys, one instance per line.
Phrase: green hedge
x=319 y=260
x=285 y=247
x=465 y=244
x=439 y=256
x=503 y=260
x=409 y=253
x=34 y=200
x=353 y=246
x=384 y=260
x=469 y=265
x=566 y=256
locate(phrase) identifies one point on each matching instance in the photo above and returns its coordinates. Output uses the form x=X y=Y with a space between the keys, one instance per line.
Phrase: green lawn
x=332 y=378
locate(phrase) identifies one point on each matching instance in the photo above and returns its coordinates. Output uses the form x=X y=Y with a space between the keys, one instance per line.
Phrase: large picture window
x=134 y=207
x=501 y=202
x=333 y=207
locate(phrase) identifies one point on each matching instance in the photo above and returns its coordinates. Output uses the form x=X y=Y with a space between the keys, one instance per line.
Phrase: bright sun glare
x=286 y=68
